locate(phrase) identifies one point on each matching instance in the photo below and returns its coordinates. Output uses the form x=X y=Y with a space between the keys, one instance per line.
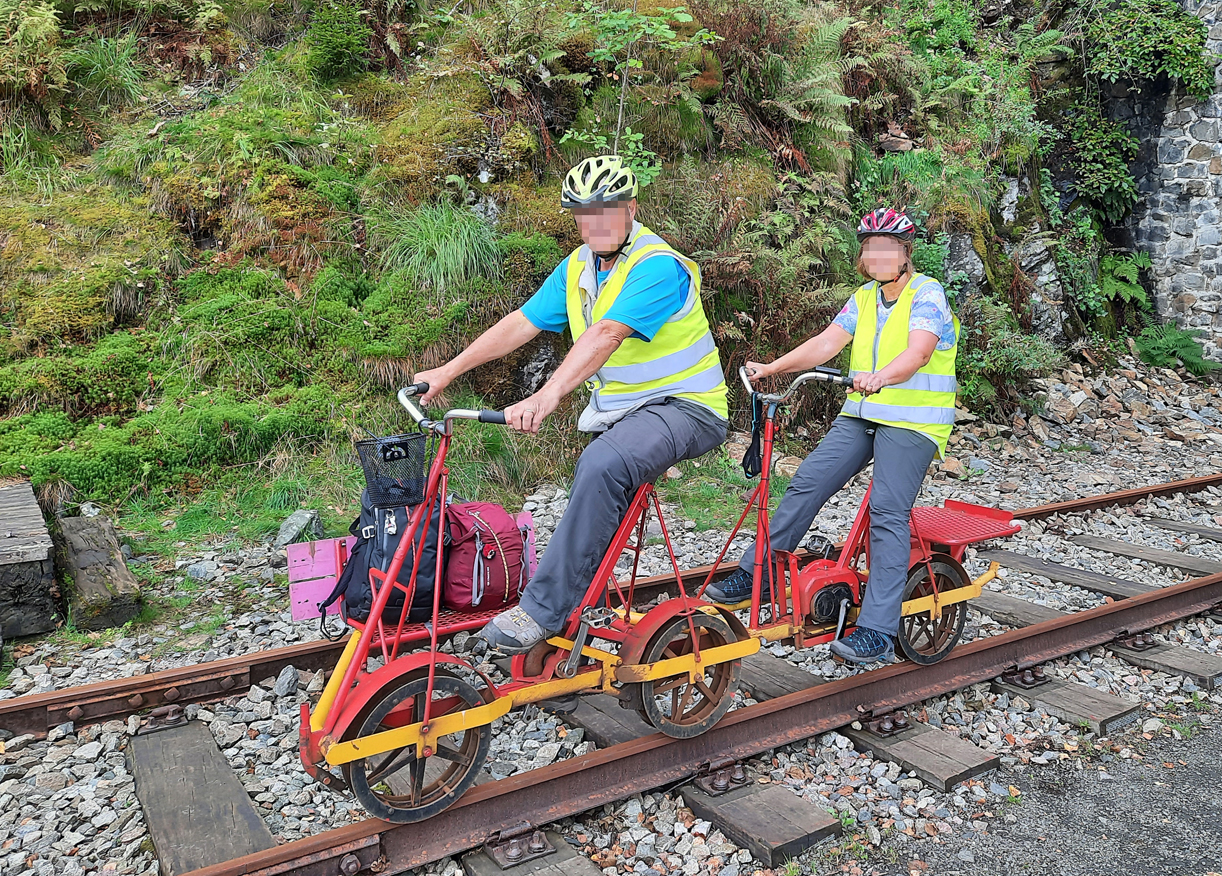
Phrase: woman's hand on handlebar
x=869 y=382
x=528 y=414
x=437 y=379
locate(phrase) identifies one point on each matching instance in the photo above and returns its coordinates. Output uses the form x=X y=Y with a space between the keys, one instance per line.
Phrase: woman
x=899 y=414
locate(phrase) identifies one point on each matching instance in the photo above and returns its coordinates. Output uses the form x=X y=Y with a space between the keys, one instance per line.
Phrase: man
x=642 y=344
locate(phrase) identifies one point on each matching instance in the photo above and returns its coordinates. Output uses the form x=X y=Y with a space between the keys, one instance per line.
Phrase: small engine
x=826 y=608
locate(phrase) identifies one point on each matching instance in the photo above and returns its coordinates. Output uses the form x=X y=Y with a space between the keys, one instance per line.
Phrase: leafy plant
x=643 y=161
x=339 y=38
x=1167 y=346
x=438 y=246
x=1138 y=40
x=1119 y=278
x=1101 y=152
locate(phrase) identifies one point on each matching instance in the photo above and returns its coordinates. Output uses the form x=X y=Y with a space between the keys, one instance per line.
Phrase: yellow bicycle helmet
x=602 y=180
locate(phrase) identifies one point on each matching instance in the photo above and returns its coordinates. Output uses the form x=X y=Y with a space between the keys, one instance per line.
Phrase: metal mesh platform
x=448 y=623
x=961 y=523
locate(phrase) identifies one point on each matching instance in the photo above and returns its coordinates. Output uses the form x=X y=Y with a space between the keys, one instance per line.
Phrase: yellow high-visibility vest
x=681 y=360
x=926 y=401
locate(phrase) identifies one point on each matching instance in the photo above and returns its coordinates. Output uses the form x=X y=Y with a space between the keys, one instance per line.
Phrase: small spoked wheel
x=676 y=706
x=396 y=785
x=924 y=639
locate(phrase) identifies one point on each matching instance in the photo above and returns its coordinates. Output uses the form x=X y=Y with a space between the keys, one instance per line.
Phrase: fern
x=1119 y=278
x=1166 y=346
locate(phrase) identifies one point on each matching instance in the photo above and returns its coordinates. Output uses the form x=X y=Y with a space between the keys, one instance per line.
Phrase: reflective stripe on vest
x=681 y=360
x=925 y=402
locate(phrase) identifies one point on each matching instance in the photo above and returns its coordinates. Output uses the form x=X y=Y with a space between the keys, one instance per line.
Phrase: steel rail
x=576 y=785
x=206 y=682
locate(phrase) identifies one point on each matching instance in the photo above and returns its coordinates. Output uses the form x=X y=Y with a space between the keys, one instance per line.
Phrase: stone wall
x=1178 y=217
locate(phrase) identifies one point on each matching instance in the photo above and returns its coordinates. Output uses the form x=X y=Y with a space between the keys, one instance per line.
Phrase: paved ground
x=1136 y=819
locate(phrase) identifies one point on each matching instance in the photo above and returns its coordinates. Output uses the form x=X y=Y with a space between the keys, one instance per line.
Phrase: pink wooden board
x=314 y=567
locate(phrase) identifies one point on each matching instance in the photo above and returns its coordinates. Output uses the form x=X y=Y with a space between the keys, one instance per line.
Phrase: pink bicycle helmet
x=889 y=222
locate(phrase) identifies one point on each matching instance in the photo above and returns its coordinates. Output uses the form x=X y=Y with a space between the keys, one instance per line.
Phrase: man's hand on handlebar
x=528 y=415
x=437 y=379
x=757 y=371
x=870 y=382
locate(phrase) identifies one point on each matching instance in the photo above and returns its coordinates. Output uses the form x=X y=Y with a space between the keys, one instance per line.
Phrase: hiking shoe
x=513 y=632
x=864 y=645
x=736 y=588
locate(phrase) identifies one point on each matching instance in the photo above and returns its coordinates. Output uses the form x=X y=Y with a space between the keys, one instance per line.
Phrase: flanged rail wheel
x=396 y=785
x=923 y=639
x=676 y=706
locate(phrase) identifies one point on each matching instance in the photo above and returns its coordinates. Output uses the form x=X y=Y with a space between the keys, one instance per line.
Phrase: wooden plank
x=770 y=821
x=1205 y=670
x=1011 y=611
x=1077 y=703
x=1210 y=532
x=23 y=532
x=1117 y=588
x=565 y=861
x=938 y=758
x=606 y=722
x=767 y=677
x=1170 y=559
x=197 y=811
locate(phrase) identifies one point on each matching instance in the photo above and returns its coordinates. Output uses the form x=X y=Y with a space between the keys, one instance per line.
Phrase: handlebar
x=820 y=374
x=422 y=420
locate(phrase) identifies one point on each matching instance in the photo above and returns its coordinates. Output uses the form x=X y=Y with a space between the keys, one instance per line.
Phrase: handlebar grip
x=840 y=380
x=494 y=417
x=417 y=388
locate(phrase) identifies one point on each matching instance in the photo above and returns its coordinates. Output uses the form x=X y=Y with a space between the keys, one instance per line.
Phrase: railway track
x=578 y=784
x=205 y=682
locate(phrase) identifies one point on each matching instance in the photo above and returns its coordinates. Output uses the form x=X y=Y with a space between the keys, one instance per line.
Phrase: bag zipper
x=499 y=547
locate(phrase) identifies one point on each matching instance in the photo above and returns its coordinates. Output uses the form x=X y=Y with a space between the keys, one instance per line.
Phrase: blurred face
x=884 y=258
x=605 y=227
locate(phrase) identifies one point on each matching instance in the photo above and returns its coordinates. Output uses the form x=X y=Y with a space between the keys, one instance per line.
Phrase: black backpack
x=378 y=532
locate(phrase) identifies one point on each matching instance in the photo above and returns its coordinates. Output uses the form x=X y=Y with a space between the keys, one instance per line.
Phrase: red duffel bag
x=488 y=557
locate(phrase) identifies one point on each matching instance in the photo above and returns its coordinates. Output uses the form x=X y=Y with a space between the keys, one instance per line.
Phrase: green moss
x=439 y=132
x=530 y=209
x=373 y=97
x=107 y=377
x=70 y=265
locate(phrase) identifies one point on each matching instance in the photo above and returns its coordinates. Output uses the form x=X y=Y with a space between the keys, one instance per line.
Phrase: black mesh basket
x=396 y=469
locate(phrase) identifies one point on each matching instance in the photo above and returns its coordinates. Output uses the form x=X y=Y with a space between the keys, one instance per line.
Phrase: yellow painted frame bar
x=318 y=717
x=686 y=664
x=933 y=604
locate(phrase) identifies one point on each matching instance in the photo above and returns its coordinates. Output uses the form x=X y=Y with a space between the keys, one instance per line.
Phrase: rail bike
x=405 y=727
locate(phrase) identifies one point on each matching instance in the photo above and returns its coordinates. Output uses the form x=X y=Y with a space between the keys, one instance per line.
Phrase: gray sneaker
x=513 y=632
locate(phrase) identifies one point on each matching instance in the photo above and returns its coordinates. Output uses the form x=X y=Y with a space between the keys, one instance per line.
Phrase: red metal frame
x=788 y=604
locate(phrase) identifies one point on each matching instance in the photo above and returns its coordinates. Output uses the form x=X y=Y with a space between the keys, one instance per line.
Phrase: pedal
x=821 y=547
x=592 y=618
x=1025 y=678
x=1138 y=642
x=515 y=845
x=721 y=778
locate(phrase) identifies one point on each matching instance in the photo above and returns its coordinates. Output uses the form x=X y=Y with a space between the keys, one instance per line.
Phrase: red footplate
x=961 y=523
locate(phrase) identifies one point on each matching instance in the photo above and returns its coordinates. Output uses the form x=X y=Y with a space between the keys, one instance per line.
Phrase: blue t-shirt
x=654 y=292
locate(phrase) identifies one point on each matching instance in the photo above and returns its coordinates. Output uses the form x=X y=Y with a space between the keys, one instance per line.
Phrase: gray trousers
x=901 y=458
x=636 y=450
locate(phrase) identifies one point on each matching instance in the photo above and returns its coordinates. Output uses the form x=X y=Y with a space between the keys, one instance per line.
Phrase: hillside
x=228 y=230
